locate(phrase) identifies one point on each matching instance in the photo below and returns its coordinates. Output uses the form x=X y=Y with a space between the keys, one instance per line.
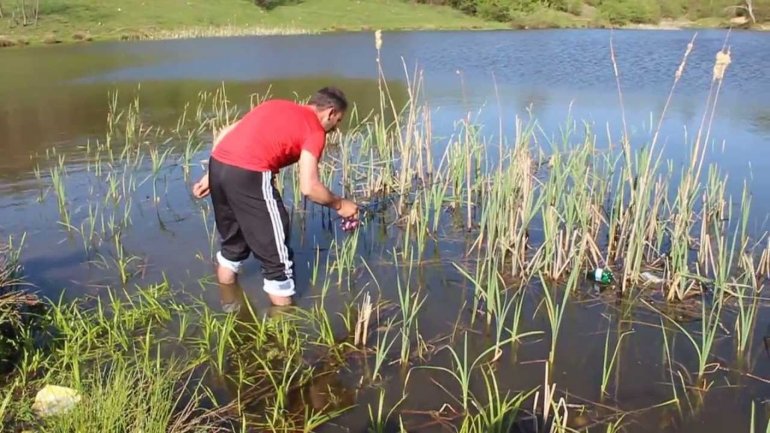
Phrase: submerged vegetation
x=508 y=229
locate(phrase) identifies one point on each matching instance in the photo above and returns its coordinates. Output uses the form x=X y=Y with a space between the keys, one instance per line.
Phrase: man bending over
x=248 y=210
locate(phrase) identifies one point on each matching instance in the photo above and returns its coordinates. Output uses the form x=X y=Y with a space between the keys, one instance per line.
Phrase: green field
x=67 y=20
x=25 y=22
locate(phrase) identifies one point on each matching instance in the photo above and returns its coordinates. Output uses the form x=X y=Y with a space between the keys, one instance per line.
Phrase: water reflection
x=31 y=122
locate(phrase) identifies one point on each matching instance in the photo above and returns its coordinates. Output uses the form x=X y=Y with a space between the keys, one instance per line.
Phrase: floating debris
x=601 y=276
x=650 y=278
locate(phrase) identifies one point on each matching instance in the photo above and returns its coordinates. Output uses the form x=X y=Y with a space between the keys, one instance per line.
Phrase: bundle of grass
x=9 y=268
x=82 y=37
x=51 y=39
x=133 y=36
x=5 y=42
x=13 y=303
x=9 y=310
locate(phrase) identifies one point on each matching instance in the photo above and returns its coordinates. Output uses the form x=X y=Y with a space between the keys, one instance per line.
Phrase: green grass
x=549 y=18
x=68 y=20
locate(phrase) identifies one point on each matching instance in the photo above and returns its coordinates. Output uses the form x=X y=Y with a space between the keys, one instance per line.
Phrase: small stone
x=740 y=21
x=53 y=399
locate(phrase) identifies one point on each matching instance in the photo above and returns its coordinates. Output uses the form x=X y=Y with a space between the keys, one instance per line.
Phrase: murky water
x=59 y=97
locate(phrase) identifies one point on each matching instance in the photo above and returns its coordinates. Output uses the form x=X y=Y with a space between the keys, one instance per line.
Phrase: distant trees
x=616 y=11
x=631 y=11
x=748 y=6
x=21 y=12
x=502 y=10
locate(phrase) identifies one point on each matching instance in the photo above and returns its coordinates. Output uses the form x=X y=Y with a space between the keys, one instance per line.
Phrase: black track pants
x=251 y=218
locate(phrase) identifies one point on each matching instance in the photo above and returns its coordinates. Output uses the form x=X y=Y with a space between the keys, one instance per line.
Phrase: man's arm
x=311 y=187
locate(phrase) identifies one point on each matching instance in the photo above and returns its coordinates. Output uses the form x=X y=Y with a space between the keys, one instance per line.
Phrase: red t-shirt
x=271 y=136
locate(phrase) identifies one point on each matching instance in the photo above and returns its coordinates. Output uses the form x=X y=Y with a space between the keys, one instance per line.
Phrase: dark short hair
x=329 y=97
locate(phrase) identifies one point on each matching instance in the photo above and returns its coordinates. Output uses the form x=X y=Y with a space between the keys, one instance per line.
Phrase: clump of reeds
x=5 y=42
x=82 y=36
x=223 y=31
x=51 y=39
x=9 y=266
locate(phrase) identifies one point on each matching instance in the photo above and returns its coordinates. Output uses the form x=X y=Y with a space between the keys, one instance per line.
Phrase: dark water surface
x=58 y=97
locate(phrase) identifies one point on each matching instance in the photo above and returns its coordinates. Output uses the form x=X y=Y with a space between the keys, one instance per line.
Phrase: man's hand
x=201 y=188
x=346 y=208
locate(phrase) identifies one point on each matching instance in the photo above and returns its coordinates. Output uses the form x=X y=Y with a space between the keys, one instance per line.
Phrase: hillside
x=54 y=21
x=602 y=13
x=67 y=20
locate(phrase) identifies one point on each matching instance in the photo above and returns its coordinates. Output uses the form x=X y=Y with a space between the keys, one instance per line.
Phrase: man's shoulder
x=285 y=113
x=278 y=104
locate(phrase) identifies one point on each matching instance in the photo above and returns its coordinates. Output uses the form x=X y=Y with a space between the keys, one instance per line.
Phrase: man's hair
x=329 y=97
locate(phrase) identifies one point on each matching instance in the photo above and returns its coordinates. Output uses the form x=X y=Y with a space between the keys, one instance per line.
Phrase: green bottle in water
x=601 y=276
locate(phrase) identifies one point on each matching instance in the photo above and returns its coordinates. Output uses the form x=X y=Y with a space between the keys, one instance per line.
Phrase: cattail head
x=680 y=70
x=720 y=65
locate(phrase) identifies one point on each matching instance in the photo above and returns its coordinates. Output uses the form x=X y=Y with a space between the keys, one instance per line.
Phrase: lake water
x=58 y=97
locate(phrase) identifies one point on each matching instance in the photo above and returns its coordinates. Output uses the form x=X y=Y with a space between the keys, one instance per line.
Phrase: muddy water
x=58 y=97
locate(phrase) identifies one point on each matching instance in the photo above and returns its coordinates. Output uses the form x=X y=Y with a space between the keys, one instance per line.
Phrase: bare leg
x=227 y=270
x=281 y=301
x=231 y=297
x=226 y=276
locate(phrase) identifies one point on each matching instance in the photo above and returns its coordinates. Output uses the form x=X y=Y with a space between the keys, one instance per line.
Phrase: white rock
x=739 y=20
x=53 y=399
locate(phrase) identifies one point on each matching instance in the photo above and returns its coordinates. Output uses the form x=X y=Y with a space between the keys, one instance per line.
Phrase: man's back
x=271 y=136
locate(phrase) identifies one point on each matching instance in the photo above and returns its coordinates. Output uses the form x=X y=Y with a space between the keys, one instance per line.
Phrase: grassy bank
x=76 y=20
x=61 y=21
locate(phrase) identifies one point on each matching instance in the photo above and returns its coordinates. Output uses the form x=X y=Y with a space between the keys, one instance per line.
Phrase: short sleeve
x=314 y=143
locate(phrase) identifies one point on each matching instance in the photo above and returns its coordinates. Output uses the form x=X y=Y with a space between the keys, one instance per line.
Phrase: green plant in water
x=609 y=361
x=752 y=428
x=710 y=324
x=461 y=372
x=748 y=306
x=555 y=311
x=410 y=307
x=58 y=174
x=498 y=413
x=382 y=347
x=380 y=422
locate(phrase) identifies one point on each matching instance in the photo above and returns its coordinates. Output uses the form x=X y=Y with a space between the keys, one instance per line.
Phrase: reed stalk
x=609 y=360
x=410 y=303
x=689 y=184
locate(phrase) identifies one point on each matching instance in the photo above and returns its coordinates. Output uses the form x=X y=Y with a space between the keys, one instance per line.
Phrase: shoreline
x=186 y=33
